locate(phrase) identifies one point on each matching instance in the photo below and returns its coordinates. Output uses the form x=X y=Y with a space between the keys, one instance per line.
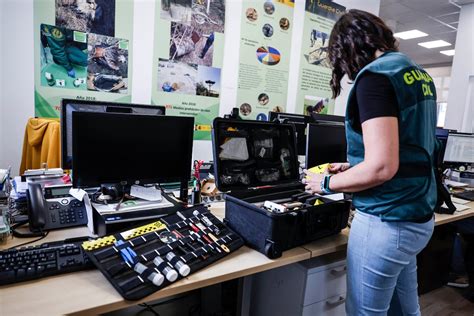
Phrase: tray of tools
x=143 y=260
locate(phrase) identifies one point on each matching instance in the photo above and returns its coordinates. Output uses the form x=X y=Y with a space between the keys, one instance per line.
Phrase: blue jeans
x=381 y=258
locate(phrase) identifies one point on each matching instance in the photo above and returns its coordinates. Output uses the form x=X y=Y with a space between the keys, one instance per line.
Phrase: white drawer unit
x=312 y=287
x=333 y=306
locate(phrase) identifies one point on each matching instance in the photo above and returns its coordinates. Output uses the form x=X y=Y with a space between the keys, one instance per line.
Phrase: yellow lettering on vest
x=416 y=74
x=426 y=90
x=408 y=78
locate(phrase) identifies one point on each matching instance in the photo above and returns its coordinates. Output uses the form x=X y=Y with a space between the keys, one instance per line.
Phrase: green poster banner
x=314 y=93
x=187 y=60
x=265 y=44
x=82 y=51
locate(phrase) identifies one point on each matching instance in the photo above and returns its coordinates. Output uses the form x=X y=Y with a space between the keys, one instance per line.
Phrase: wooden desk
x=339 y=242
x=88 y=292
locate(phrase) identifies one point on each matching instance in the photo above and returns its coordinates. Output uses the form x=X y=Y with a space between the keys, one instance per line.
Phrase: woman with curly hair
x=390 y=130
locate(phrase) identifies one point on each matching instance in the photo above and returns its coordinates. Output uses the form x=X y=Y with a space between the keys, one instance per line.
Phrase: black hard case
x=272 y=233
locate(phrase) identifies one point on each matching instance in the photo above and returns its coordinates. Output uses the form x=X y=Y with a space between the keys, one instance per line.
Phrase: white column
x=460 y=111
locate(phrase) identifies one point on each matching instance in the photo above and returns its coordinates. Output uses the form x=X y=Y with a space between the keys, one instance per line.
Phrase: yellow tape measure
x=319 y=169
x=129 y=234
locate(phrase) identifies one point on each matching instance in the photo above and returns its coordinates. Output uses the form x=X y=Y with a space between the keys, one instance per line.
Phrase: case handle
x=337 y=301
x=339 y=272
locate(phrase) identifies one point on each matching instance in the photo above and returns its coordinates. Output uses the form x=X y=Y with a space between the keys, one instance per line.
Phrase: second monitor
x=325 y=143
x=130 y=149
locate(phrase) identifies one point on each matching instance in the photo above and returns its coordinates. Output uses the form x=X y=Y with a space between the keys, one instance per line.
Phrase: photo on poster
x=314 y=104
x=284 y=24
x=269 y=7
x=263 y=98
x=177 y=77
x=251 y=14
x=208 y=16
x=89 y=16
x=187 y=45
x=267 y=30
x=107 y=68
x=318 y=49
x=63 y=57
x=245 y=109
x=177 y=10
x=208 y=81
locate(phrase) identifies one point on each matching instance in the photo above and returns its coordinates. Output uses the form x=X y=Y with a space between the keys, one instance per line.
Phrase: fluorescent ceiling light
x=410 y=34
x=434 y=44
x=449 y=52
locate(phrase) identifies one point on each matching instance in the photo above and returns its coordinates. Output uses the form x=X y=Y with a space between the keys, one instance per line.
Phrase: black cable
x=29 y=242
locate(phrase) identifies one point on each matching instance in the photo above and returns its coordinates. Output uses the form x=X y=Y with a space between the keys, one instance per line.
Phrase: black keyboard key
x=50 y=266
x=20 y=273
x=7 y=276
x=31 y=271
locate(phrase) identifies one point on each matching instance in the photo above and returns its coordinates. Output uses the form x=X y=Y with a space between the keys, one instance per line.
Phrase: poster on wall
x=82 y=51
x=314 y=93
x=265 y=45
x=187 y=60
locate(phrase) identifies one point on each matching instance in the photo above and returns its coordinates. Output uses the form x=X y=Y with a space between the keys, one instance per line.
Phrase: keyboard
x=47 y=259
x=466 y=195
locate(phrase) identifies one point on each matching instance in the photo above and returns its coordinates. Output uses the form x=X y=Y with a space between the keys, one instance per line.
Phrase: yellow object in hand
x=318 y=202
x=319 y=169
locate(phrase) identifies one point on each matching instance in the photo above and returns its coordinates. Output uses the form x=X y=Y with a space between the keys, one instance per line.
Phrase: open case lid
x=254 y=154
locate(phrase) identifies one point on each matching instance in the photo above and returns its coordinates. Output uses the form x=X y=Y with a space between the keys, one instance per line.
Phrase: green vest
x=411 y=195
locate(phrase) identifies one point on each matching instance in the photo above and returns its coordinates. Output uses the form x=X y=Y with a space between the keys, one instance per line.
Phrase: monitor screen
x=325 y=143
x=114 y=148
x=459 y=148
x=300 y=121
x=68 y=106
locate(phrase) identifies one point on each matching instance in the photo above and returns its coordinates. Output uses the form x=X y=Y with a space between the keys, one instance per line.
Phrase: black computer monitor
x=130 y=149
x=325 y=143
x=442 y=136
x=299 y=121
x=327 y=118
x=68 y=106
x=459 y=150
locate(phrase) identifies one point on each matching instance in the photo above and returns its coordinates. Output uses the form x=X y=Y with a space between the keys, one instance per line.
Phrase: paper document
x=459 y=207
x=334 y=197
x=455 y=184
x=90 y=219
x=130 y=206
x=78 y=193
x=146 y=193
x=21 y=187
x=459 y=201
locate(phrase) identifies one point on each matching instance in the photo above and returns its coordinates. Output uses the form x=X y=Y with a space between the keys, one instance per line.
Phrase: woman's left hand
x=313 y=181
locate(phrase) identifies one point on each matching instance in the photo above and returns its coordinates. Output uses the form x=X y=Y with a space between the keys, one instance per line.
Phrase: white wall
x=2 y=16
x=460 y=111
x=17 y=81
x=16 y=78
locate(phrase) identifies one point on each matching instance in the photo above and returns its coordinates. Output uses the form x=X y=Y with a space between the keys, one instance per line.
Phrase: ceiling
x=438 y=18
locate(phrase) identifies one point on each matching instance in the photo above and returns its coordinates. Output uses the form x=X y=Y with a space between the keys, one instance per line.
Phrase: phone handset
x=37 y=208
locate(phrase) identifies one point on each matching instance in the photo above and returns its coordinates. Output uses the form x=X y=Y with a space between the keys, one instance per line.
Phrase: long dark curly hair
x=355 y=38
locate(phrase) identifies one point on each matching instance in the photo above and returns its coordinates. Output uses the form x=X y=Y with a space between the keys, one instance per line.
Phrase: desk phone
x=54 y=208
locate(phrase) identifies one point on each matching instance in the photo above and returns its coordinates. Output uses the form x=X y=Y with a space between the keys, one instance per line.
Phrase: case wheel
x=272 y=251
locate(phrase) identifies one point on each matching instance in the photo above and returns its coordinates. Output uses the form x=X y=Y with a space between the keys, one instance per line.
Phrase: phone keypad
x=69 y=214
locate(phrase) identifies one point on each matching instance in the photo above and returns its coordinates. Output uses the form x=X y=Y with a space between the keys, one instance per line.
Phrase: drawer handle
x=339 y=272
x=337 y=301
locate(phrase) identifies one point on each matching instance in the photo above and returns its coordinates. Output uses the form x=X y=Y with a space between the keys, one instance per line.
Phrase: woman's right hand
x=337 y=167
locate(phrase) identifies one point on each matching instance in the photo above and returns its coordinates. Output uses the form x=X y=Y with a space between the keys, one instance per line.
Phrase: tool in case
x=256 y=163
x=146 y=259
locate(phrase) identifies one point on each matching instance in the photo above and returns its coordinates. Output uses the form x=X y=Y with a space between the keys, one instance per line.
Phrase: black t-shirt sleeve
x=375 y=97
